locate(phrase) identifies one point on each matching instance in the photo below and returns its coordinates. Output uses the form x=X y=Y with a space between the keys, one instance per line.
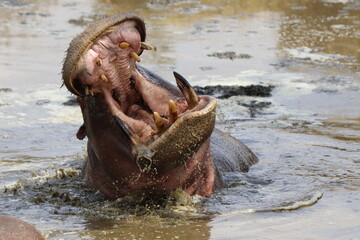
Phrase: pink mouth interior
x=126 y=91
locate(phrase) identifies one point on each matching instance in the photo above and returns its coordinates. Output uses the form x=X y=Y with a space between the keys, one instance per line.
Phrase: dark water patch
x=6 y=90
x=163 y=4
x=32 y=14
x=42 y=102
x=12 y=3
x=224 y=92
x=325 y=90
x=285 y=63
x=229 y=55
x=290 y=205
x=206 y=68
x=80 y=22
x=194 y=9
x=306 y=201
x=335 y=148
x=180 y=6
x=334 y=80
x=344 y=129
x=255 y=107
x=83 y=21
x=71 y=101
x=249 y=193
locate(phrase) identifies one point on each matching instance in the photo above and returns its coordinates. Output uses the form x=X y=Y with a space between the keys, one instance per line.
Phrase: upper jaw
x=150 y=114
x=83 y=41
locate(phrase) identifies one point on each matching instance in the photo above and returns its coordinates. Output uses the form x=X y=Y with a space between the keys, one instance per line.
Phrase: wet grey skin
x=145 y=135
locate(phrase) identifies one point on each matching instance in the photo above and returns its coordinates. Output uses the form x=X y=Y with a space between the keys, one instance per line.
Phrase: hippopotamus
x=12 y=228
x=145 y=135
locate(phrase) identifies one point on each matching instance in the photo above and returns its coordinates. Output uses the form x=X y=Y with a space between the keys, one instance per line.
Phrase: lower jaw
x=196 y=176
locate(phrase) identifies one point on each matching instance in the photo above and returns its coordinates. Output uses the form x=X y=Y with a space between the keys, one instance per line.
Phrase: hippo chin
x=144 y=134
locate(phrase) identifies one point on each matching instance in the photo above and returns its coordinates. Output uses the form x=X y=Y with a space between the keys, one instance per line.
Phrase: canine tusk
x=135 y=56
x=104 y=78
x=148 y=46
x=173 y=112
x=124 y=45
x=159 y=122
x=87 y=91
x=99 y=62
x=186 y=89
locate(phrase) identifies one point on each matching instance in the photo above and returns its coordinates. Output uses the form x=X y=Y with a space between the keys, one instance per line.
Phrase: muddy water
x=307 y=134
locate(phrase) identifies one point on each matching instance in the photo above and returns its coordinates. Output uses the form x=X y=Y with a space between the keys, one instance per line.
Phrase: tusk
x=125 y=130
x=87 y=90
x=148 y=46
x=135 y=56
x=159 y=122
x=186 y=89
x=104 y=78
x=124 y=45
x=99 y=62
x=173 y=112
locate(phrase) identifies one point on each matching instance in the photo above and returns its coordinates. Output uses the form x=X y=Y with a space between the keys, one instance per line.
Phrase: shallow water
x=306 y=185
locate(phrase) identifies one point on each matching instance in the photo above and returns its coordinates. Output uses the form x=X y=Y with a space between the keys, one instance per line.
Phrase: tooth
x=159 y=122
x=153 y=132
x=189 y=93
x=87 y=91
x=126 y=130
x=104 y=78
x=99 y=62
x=135 y=56
x=124 y=45
x=173 y=112
x=148 y=46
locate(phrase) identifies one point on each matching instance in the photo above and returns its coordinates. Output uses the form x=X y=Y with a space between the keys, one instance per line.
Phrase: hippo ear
x=230 y=154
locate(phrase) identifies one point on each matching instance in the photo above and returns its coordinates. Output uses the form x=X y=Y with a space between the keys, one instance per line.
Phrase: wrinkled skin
x=144 y=134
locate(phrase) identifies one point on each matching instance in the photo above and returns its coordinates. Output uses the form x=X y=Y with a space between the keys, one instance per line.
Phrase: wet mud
x=224 y=92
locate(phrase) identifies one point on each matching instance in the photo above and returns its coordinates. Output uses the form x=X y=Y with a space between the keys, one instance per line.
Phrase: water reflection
x=323 y=32
x=309 y=32
x=148 y=228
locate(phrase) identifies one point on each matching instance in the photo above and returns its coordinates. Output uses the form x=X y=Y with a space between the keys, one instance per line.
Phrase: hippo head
x=144 y=134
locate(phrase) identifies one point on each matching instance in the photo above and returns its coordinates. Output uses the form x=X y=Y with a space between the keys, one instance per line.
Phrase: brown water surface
x=307 y=136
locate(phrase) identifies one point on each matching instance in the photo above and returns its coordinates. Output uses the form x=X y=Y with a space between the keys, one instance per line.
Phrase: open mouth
x=161 y=121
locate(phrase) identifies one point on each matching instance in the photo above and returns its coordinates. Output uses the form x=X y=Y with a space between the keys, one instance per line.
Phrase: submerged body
x=15 y=229
x=145 y=135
